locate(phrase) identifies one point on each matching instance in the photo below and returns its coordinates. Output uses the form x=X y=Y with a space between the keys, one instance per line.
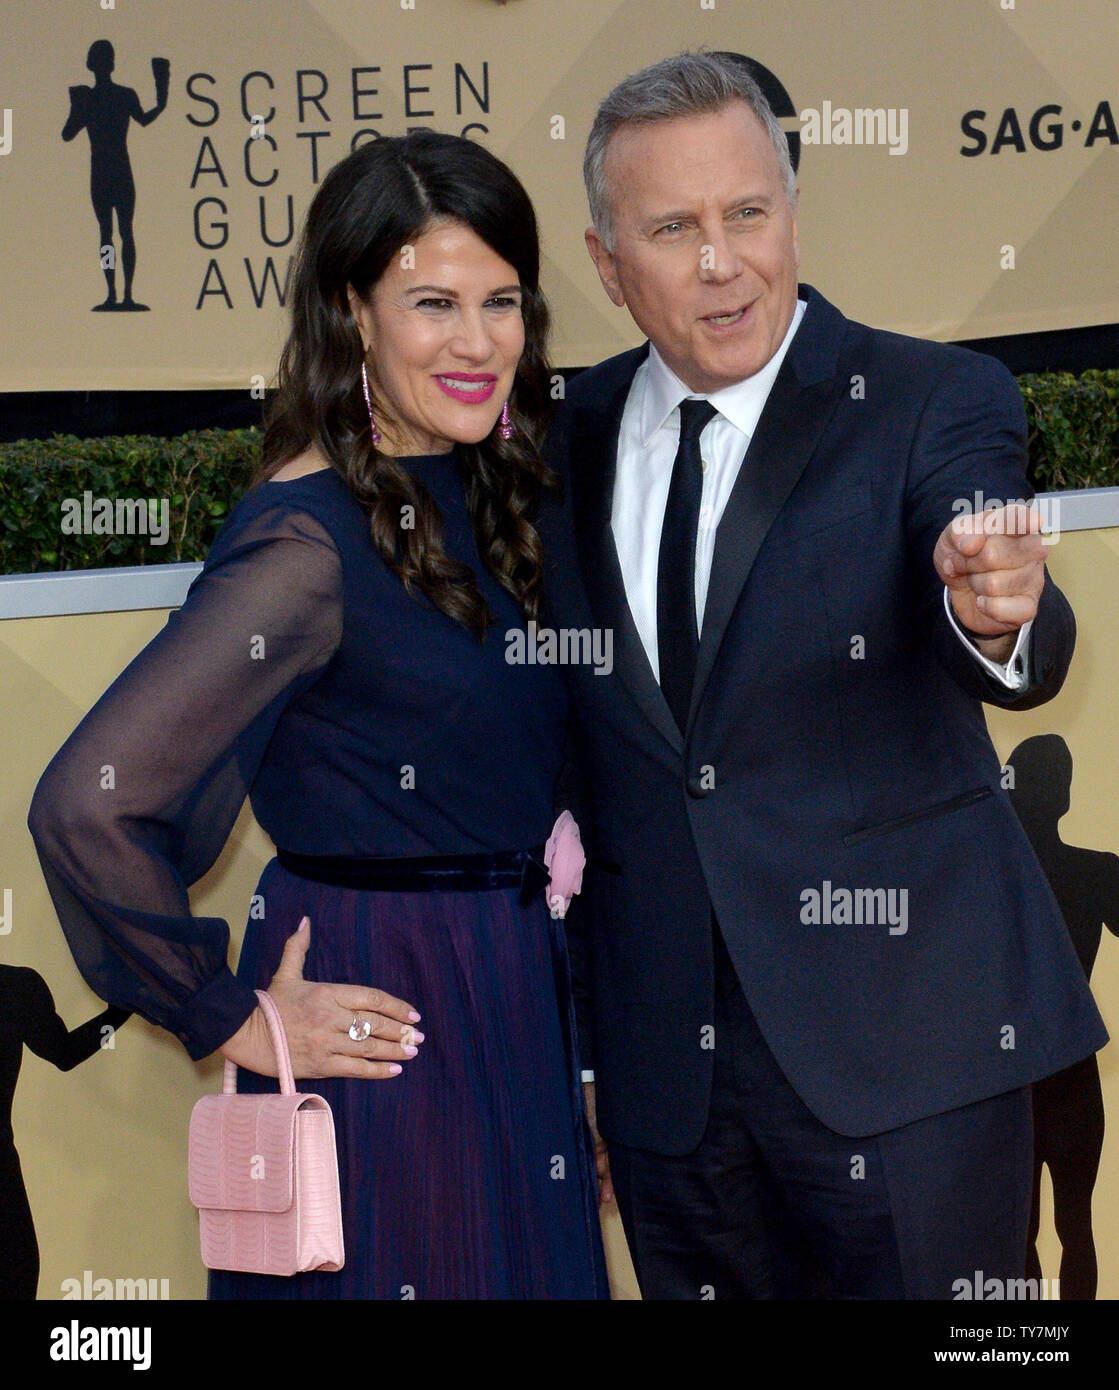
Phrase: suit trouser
x=773 y=1204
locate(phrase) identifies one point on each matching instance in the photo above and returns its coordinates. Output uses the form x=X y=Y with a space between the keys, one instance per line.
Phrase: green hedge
x=1074 y=443
x=200 y=476
x=1074 y=429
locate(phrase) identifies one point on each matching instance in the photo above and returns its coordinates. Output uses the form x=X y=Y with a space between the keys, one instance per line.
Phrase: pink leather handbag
x=263 y=1173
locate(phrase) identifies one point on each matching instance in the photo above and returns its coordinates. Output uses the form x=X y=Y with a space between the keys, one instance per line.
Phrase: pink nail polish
x=395 y=1068
x=410 y=1051
x=415 y=1017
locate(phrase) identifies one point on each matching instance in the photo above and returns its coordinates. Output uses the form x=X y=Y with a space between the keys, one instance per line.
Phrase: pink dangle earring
x=374 y=432
x=505 y=425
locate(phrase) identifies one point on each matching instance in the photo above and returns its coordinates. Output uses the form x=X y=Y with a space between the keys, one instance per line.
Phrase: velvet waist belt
x=449 y=873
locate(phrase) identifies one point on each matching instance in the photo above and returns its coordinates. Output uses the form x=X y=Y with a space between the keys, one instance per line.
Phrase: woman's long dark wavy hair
x=384 y=196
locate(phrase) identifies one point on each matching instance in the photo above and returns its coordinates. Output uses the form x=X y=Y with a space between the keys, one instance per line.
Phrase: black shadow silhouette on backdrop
x=104 y=110
x=27 y=1015
x=1068 y=1106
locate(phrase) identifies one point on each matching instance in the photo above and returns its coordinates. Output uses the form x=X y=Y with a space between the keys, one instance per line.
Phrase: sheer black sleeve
x=137 y=804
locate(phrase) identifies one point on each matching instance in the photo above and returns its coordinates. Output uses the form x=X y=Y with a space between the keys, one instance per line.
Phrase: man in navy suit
x=817 y=961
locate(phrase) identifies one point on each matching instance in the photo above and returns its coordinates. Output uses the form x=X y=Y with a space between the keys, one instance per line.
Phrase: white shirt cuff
x=1015 y=674
x=588 y=1075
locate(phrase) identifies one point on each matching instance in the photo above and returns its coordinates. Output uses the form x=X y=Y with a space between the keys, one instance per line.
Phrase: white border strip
x=1087 y=508
x=125 y=589
x=136 y=587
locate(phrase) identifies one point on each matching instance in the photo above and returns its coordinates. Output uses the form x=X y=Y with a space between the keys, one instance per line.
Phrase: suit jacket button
x=695 y=788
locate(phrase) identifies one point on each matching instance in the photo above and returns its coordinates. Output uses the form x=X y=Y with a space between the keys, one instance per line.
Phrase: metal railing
x=133 y=587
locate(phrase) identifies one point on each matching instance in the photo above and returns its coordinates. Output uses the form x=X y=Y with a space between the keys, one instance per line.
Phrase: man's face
x=705 y=243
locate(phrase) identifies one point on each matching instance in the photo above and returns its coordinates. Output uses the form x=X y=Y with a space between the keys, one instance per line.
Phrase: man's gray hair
x=691 y=84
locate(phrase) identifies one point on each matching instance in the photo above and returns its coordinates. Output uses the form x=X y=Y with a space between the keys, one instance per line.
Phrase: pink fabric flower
x=563 y=855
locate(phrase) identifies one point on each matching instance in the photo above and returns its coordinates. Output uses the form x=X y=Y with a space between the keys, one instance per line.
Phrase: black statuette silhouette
x=27 y=1016
x=1068 y=1106
x=104 y=110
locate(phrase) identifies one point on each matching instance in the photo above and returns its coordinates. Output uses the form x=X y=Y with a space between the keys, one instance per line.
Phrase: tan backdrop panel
x=909 y=233
x=104 y=1147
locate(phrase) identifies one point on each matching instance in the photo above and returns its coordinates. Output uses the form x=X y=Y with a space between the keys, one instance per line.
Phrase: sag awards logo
x=1043 y=128
x=249 y=133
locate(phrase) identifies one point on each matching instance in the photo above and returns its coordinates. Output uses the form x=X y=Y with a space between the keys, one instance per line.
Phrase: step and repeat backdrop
x=958 y=159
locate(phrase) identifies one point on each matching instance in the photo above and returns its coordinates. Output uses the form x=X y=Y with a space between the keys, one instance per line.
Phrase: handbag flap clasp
x=242 y=1151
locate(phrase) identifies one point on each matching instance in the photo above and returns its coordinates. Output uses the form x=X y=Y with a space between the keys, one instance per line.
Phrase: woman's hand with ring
x=332 y=1029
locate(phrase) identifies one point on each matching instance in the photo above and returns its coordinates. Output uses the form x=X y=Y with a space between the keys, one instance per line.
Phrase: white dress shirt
x=647 y=442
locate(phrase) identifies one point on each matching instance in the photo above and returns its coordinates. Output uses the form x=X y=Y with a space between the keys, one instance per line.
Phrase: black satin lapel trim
x=594 y=454
x=788 y=432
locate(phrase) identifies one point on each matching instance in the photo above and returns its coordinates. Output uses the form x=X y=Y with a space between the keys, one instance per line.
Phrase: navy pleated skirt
x=470 y=1175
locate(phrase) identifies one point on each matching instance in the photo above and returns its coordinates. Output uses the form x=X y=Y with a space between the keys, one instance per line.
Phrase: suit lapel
x=789 y=430
x=594 y=455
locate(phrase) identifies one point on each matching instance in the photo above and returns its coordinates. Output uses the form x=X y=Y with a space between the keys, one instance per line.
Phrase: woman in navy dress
x=342 y=660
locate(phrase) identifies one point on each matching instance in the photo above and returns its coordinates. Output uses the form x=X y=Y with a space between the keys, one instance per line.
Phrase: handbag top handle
x=279 y=1042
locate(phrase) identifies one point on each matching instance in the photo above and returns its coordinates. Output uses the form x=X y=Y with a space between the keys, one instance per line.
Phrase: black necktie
x=677 y=634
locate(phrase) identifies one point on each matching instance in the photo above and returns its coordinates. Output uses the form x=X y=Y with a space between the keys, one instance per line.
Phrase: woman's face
x=443 y=331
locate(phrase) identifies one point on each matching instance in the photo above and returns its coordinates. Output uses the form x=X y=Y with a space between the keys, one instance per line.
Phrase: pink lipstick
x=472 y=387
